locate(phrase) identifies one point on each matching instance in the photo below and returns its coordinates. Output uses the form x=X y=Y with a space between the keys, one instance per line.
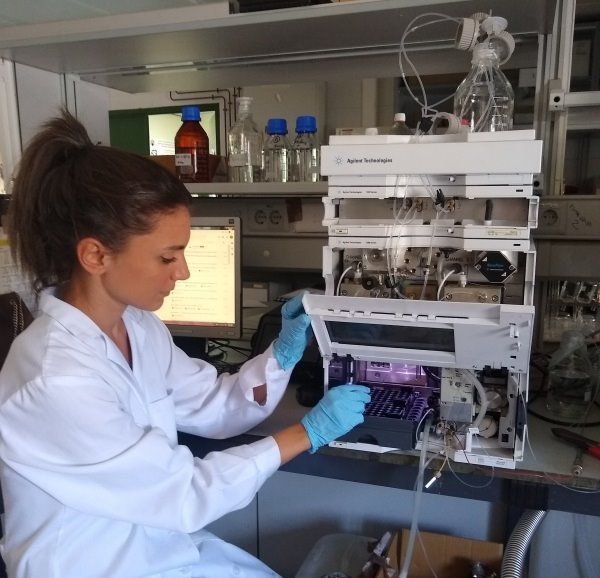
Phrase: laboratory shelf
x=258 y=189
x=190 y=47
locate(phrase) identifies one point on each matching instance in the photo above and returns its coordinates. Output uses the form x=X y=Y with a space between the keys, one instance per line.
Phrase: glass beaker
x=571 y=384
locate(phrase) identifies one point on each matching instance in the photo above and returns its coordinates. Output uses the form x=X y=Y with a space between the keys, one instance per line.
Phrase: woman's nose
x=182 y=273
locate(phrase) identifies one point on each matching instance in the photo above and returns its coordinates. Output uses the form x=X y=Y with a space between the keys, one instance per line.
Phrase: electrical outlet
x=268 y=217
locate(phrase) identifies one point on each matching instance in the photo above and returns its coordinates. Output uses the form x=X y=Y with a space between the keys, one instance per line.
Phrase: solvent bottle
x=191 y=148
x=484 y=100
x=305 y=153
x=244 y=144
x=571 y=384
x=399 y=126
x=276 y=151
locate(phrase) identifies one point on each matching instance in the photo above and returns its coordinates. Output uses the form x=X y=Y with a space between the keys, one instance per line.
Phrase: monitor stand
x=193 y=346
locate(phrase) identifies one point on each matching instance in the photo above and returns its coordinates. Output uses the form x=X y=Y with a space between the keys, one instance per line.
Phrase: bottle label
x=191 y=164
x=183 y=160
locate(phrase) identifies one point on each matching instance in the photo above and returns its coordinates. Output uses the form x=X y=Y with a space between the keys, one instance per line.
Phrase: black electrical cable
x=429 y=373
x=225 y=344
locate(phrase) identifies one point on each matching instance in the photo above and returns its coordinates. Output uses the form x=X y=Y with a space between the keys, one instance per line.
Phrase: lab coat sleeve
x=74 y=440
x=222 y=406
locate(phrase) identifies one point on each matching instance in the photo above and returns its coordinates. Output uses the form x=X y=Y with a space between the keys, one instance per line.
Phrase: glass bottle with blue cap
x=305 y=153
x=191 y=148
x=276 y=151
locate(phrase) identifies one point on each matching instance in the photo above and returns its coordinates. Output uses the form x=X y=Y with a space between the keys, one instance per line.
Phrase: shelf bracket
x=561 y=100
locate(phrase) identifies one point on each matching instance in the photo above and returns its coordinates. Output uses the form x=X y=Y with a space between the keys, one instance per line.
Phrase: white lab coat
x=94 y=482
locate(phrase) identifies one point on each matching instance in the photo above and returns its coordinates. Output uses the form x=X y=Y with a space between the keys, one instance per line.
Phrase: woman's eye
x=167 y=260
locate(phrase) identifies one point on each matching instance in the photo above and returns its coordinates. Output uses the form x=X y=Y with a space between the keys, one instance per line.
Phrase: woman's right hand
x=340 y=410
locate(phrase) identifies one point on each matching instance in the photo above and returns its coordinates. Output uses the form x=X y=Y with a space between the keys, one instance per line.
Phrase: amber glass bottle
x=191 y=148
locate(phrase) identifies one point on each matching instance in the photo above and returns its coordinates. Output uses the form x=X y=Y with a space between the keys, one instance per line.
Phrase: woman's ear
x=92 y=255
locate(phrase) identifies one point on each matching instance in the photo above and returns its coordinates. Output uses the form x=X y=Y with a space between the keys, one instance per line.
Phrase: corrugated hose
x=518 y=543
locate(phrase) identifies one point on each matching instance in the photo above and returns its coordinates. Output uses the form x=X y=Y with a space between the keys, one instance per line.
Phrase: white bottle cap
x=399 y=117
x=466 y=35
x=494 y=25
x=503 y=44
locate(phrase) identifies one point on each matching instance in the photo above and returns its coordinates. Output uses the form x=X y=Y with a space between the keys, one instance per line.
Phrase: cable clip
x=440 y=199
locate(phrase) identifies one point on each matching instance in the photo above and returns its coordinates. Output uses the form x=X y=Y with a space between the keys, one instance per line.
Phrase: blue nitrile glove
x=295 y=333
x=337 y=413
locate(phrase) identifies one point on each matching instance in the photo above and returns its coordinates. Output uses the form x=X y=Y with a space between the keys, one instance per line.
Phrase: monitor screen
x=209 y=303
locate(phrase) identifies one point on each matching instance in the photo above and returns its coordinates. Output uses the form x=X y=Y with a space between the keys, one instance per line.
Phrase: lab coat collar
x=80 y=325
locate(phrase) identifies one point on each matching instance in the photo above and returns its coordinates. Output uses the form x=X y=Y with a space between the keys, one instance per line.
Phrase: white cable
x=346 y=270
x=488 y=111
x=388 y=244
x=483 y=400
x=474 y=486
x=448 y=448
x=430 y=410
x=417 y=503
x=427 y=184
x=403 y=53
x=443 y=282
x=428 y=266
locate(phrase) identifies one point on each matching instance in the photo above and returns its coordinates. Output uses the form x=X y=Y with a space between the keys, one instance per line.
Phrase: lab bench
x=345 y=490
x=543 y=480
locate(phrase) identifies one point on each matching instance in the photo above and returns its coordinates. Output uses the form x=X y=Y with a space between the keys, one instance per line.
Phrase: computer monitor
x=209 y=303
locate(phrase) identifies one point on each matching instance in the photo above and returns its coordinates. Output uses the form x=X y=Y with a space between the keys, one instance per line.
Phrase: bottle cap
x=277 y=126
x=190 y=113
x=306 y=124
x=399 y=117
x=494 y=25
x=503 y=45
x=466 y=35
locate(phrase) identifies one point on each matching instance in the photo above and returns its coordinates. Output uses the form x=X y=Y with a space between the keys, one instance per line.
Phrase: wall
x=282 y=101
x=367 y=103
x=290 y=527
x=335 y=104
x=42 y=94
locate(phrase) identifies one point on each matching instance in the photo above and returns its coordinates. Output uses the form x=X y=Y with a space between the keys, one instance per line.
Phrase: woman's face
x=145 y=271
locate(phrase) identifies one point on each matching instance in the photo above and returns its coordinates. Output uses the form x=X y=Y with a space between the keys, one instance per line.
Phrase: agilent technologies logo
x=369 y=160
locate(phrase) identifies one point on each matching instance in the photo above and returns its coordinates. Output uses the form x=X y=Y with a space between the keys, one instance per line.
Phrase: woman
x=92 y=393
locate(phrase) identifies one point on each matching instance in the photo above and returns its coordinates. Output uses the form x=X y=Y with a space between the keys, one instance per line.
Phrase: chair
x=14 y=318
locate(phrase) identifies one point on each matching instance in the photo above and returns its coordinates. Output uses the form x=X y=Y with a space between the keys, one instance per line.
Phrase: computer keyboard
x=223 y=366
